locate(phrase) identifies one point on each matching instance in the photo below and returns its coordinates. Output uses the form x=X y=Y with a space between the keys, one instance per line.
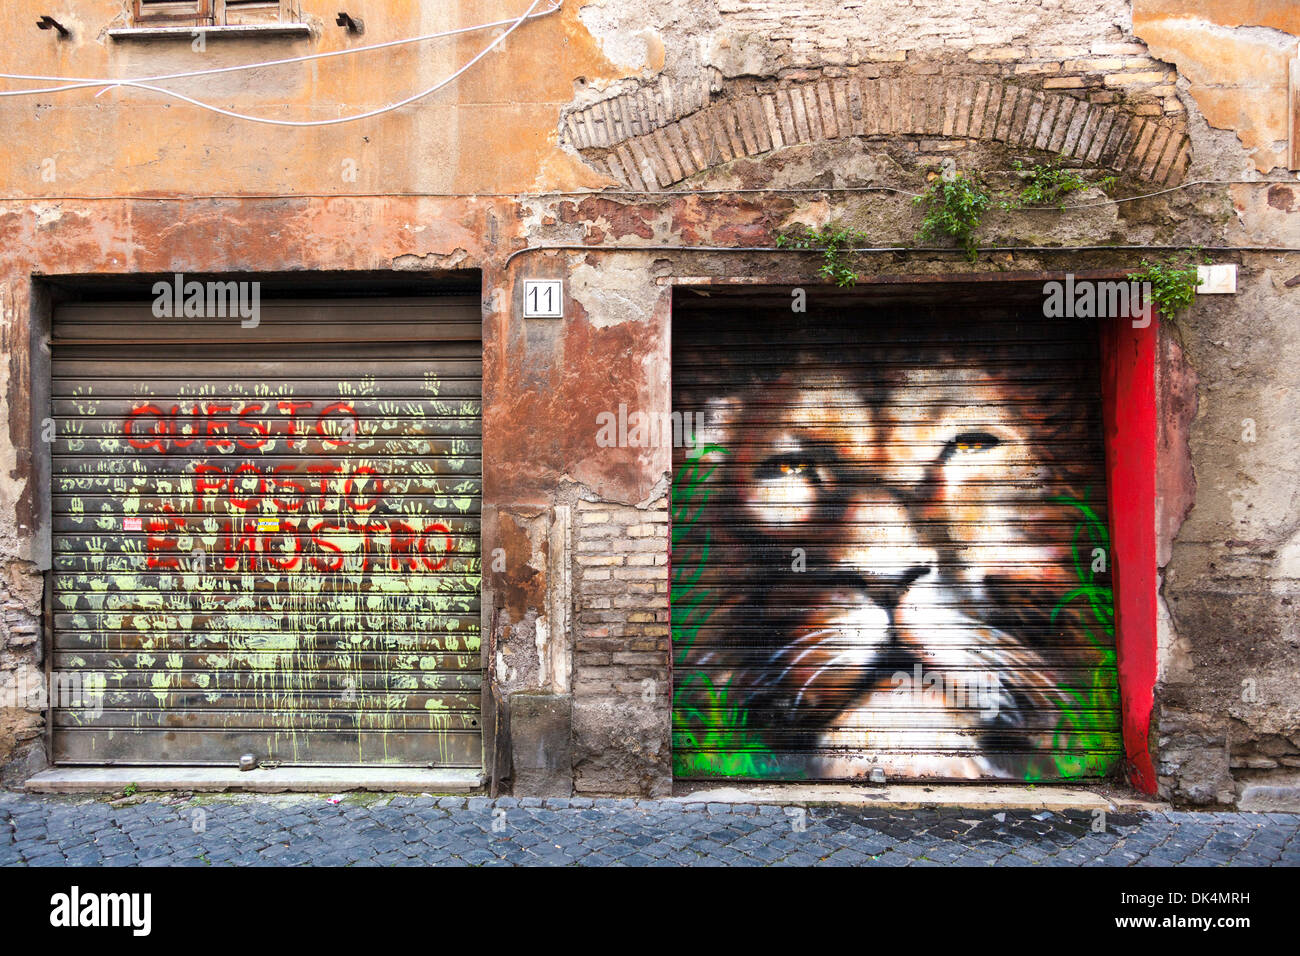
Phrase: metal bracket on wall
x=49 y=23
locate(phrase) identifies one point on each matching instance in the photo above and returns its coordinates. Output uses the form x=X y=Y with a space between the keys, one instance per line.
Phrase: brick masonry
x=622 y=598
x=621 y=648
x=1106 y=104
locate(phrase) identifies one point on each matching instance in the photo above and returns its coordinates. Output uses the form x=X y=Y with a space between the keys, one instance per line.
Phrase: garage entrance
x=891 y=554
x=266 y=533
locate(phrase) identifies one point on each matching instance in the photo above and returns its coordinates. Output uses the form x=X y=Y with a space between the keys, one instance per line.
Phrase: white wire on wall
x=146 y=82
x=104 y=84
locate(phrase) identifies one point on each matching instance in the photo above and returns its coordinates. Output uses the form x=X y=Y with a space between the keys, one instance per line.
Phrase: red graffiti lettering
x=246 y=491
x=446 y=549
x=283 y=483
x=325 y=468
x=348 y=489
x=202 y=485
x=235 y=482
x=217 y=425
x=257 y=428
x=220 y=427
x=159 y=428
x=292 y=409
x=159 y=542
x=328 y=410
x=325 y=527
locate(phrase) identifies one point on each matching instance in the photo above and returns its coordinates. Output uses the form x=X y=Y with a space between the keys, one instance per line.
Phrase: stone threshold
x=279 y=780
x=920 y=796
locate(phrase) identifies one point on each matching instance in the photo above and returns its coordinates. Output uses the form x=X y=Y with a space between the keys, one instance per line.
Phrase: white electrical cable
x=141 y=82
x=145 y=83
x=87 y=82
x=84 y=82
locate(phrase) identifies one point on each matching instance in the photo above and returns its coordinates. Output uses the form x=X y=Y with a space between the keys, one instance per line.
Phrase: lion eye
x=968 y=442
x=785 y=467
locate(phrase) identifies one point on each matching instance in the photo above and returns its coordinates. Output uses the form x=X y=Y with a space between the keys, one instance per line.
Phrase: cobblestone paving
x=455 y=831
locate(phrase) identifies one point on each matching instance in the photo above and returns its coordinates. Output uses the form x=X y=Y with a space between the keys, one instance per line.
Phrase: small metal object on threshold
x=248 y=762
x=877 y=775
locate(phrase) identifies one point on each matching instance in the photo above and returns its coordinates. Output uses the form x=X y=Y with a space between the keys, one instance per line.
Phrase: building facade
x=469 y=387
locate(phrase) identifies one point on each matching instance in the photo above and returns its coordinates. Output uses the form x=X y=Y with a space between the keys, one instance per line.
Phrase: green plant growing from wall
x=1047 y=184
x=954 y=206
x=1173 y=280
x=833 y=243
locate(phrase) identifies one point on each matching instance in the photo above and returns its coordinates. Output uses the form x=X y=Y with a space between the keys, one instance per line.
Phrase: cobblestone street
x=374 y=830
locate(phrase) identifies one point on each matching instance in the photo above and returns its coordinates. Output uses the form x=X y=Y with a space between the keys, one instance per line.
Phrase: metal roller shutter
x=890 y=551
x=266 y=540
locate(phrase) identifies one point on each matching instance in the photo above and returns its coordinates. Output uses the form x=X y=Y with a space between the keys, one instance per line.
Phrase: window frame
x=174 y=13
x=208 y=13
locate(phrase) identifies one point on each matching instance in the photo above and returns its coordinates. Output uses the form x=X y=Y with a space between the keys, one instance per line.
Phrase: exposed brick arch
x=654 y=138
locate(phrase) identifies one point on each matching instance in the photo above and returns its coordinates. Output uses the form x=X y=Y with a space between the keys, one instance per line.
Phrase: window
x=212 y=12
x=178 y=12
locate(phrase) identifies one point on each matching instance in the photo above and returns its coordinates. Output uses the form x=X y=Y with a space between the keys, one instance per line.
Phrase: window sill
x=226 y=31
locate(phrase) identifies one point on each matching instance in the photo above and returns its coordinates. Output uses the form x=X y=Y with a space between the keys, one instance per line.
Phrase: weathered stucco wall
x=708 y=95
x=490 y=131
x=1235 y=57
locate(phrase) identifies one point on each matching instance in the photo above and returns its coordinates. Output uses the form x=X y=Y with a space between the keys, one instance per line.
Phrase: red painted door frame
x=1128 y=365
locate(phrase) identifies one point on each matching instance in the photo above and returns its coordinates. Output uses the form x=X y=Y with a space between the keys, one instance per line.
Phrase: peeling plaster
x=11 y=489
x=1237 y=74
x=631 y=50
x=613 y=293
x=431 y=260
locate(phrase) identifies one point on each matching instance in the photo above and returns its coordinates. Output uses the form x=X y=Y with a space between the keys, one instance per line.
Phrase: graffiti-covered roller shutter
x=890 y=549
x=266 y=539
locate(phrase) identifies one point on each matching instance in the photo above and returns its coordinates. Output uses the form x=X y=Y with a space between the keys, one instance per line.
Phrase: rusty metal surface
x=890 y=553
x=268 y=546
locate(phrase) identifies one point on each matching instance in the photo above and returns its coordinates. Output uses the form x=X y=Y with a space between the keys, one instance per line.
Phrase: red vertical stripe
x=1129 y=413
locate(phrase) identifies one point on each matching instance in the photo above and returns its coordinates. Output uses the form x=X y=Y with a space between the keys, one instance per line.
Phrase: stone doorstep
x=280 y=780
x=414 y=780
x=919 y=796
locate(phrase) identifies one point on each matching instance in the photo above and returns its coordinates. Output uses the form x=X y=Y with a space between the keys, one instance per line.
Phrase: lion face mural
x=875 y=548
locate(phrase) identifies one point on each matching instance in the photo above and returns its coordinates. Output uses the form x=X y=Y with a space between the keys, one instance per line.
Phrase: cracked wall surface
x=1234 y=57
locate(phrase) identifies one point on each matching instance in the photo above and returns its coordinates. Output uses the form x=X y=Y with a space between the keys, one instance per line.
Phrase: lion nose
x=905 y=579
x=887 y=553
x=887 y=589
